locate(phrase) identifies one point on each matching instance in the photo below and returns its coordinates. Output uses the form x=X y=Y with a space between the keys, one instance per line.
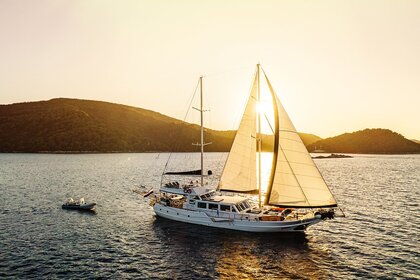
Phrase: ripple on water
x=378 y=239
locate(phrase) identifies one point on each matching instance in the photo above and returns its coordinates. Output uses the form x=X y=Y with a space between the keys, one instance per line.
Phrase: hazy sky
x=337 y=66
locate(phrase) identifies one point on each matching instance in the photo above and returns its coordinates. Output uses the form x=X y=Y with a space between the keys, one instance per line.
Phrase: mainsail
x=240 y=171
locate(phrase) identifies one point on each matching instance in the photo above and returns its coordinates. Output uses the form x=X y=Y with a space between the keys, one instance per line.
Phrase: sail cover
x=296 y=180
x=240 y=171
x=192 y=172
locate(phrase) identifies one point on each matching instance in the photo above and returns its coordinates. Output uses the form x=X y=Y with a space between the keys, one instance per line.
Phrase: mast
x=201 y=144
x=259 y=135
x=202 y=130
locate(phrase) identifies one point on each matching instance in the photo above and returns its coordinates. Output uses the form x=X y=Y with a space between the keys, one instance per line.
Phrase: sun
x=264 y=107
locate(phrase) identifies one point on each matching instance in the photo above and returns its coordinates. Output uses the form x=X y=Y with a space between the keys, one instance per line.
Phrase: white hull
x=205 y=219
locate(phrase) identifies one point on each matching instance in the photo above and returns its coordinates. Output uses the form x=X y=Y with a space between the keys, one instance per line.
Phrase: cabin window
x=239 y=206
x=242 y=206
x=207 y=195
x=202 y=205
x=213 y=206
x=225 y=208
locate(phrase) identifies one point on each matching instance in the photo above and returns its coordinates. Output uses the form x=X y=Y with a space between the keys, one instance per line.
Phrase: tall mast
x=202 y=131
x=201 y=144
x=259 y=135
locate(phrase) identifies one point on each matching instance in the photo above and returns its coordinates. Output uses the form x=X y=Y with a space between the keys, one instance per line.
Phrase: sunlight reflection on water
x=379 y=237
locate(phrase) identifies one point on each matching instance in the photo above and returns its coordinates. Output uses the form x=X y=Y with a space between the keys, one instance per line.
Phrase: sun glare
x=264 y=107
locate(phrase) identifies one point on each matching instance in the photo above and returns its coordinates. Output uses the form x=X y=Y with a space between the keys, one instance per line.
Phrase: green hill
x=73 y=125
x=307 y=139
x=368 y=141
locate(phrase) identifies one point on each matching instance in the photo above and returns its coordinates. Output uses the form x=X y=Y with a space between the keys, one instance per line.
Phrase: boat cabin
x=211 y=201
x=201 y=198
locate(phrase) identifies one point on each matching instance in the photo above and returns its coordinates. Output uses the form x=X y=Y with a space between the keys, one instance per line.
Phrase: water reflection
x=231 y=254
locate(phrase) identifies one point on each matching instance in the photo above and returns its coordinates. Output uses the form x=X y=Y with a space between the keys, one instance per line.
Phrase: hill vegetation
x=73 y=125
x=268 y=140
x=368 y=141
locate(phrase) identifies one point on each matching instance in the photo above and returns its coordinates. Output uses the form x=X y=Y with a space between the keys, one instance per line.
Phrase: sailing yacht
x=297 y=195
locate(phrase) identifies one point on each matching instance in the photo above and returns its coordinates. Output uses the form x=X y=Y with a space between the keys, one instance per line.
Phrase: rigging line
x=325 y=183
x=310 y=157
x=149 y=168
x=286 y=130
x=191 y=101
x=301 y=163
x=185 y=117
x=229 y=70
x=240 y=114
x=269 y=124
x=280 y=147
x=312 y=162
x=294 y=174
x=295 y=151
x=249 y=96
x=290 y=139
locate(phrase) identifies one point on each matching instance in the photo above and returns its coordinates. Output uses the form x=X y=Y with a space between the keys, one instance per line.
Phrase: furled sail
x=296 y=180
x=192 y=172
x=240 y=171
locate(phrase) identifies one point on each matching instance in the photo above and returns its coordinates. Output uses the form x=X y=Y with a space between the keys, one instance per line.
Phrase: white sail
x=240 y=170
x=296 y=180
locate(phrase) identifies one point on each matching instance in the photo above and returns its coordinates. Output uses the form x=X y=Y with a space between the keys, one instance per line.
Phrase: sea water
x=378 y=238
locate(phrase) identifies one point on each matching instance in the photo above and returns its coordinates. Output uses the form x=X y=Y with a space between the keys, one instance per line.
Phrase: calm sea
x=379 y=238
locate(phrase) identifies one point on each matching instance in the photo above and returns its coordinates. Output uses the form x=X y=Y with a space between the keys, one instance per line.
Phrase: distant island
x=332 y=156
x=75 y=126
x=368 y=141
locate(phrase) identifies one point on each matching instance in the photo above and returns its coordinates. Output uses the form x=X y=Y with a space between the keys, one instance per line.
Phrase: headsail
x=240 y=170
x=296 y=180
